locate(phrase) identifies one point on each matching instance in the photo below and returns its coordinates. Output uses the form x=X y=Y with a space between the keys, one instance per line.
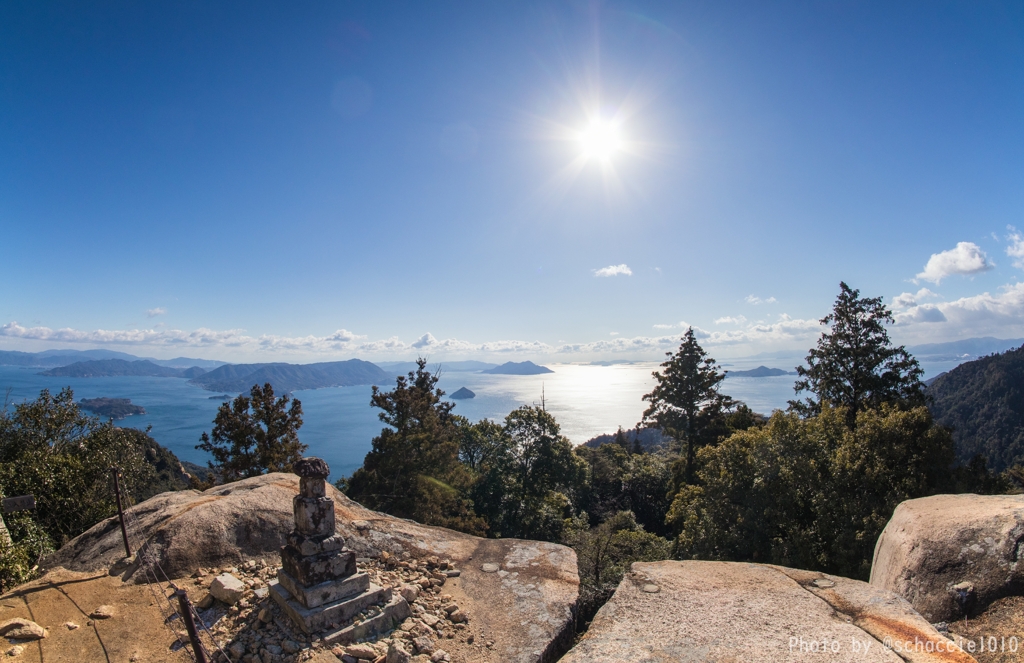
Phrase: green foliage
x=621 y=480
x=49 y=449
x=529 y=475
x=167 y=469
x=983 y=402
x=605 y=552
x=254 y=434
x=686 y=404
x=854 y=365
x=21 y=549
x=811 y=493
x=413 y=469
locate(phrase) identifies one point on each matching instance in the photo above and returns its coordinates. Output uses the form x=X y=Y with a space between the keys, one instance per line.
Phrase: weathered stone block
x=314 y=569
x=312 y=487
x=314 y=545
x=314 y=516
x=322 y=617
x=227 y=588
x=325 y=592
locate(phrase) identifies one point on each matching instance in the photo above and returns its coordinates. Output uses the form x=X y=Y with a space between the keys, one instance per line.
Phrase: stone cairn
x=318 y=585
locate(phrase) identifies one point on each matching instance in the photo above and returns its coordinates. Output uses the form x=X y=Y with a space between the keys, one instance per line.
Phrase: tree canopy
x=686 y=403
x=254 y=434
x=413 y=468
x=854 y=365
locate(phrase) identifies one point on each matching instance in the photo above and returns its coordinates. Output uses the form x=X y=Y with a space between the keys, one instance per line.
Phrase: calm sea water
x=339 y=422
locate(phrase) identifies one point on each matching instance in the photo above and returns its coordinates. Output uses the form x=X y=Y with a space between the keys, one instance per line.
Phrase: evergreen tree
x=686 y=404
x=413 y=468
x=254 y=434
x=854 y=365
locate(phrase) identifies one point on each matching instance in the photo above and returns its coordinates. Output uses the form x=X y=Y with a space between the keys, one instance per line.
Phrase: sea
x=339 y=423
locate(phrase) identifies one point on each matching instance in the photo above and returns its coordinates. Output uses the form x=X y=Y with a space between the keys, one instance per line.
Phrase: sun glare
x=600 y=140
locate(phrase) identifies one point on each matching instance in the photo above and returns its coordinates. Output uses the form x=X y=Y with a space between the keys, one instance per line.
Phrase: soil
x=995 y=636
x=135 y=634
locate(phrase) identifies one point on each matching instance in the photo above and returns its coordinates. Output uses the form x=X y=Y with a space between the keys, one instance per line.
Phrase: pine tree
x=855 y=365
x=686 y=404
x=254 y=434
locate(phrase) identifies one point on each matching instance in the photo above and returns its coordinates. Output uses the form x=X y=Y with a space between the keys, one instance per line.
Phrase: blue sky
x=326 y=180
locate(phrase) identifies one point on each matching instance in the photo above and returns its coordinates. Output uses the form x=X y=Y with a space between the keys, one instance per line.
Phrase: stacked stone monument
x=318 y=585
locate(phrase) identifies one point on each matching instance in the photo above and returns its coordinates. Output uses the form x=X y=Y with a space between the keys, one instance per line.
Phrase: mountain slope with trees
x=983 y=402
x=292 y=377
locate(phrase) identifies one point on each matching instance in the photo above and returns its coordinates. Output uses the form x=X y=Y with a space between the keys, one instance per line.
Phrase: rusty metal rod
x=190 y=625
x=120 y=510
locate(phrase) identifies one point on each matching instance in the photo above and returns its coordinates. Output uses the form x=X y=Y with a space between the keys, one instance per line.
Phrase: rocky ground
x=133 y=623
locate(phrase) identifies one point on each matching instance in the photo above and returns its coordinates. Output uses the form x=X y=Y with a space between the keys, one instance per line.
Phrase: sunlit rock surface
x=952 y=554
x=728 y=611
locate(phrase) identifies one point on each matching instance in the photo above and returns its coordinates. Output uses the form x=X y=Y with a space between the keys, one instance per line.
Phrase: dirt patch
x=995 y=636
x=135 y=633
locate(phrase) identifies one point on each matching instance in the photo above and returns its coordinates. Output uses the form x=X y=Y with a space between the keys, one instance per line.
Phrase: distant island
x=759 y=372
x=113 y=408
x=518 y=368
x=100 y=368
x=293 y=377
x=463 y=393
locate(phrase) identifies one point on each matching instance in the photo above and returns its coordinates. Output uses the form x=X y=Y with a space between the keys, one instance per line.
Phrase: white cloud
x=153 y=312
x=966 y=259
x=613 y=333
x=1016 y=248
x=731 y=320
x=751 y=299
x=1001 y=314
x=906 y=300
x=614 y=270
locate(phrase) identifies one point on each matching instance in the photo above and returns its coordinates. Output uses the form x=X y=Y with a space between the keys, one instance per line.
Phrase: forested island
x=111 y=408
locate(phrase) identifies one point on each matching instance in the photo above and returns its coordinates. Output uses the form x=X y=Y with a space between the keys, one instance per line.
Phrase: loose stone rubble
x=257 y=630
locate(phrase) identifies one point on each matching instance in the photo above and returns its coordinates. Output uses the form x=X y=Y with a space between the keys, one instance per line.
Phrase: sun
x=600 y=140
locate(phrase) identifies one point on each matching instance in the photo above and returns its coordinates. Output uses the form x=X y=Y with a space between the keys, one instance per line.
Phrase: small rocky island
x=463 y=393
x=113 y=408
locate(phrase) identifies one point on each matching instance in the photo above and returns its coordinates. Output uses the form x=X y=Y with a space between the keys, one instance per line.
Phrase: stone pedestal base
x=325 y=592
x=329 y=615
x=390 y=617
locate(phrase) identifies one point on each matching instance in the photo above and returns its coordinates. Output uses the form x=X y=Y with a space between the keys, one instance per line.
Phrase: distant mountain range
x=518 y=368
x=403 y=367
x=50 y=358
x=759 y=372
x=968 y=348
x=292 y=377
x=99 y=368
x=983 y=402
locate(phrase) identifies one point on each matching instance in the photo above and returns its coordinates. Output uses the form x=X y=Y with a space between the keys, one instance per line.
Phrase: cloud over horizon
x=966 y=259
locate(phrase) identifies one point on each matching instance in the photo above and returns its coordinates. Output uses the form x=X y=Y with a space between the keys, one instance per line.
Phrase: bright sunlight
x=600 y=140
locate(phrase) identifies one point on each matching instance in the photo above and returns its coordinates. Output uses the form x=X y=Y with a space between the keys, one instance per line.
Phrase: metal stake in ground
x=120 y=511
x=190 y=625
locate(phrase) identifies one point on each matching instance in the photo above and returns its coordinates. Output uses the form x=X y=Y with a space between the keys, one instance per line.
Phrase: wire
x=153 y=565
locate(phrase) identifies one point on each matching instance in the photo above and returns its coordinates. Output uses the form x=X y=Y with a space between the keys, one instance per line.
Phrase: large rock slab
x=525 y=607
x=952 y=555
x=729 y=611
